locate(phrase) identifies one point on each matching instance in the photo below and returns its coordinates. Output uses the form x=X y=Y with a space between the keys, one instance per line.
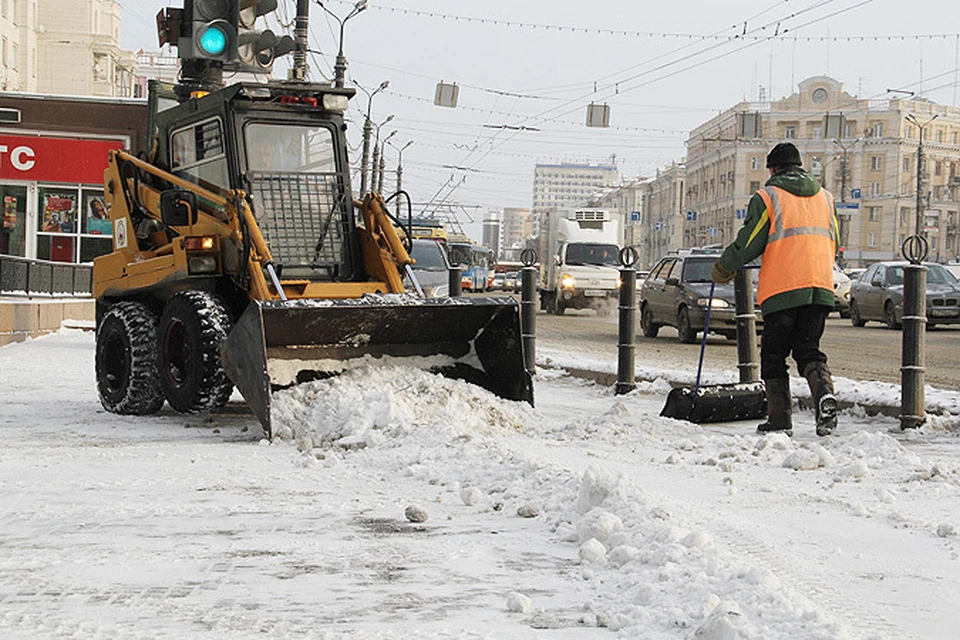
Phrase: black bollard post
x=748 y=355
x=455 y=282
x=626 y=347
x=913 y=369
x=528 y=309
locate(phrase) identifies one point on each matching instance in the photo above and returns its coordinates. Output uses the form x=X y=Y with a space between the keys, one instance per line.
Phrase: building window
x=938 y=168
x=874 y=188
x=755 y=163
x=907 y=163
x=908 y=131
x=871 y=239
x=878 y=130
x=904 y=212
x=876 y=163
x=790 y=132
x=873 y=214
x=939 y=135
x=933 y=243
x=754 y=186
x=818 y=133
x=847 y=131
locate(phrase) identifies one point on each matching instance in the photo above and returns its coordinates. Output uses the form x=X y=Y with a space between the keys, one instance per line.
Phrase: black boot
x=824 y=401
x=779 y=408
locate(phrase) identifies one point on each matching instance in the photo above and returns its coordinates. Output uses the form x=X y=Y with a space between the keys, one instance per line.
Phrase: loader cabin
x=284 y=145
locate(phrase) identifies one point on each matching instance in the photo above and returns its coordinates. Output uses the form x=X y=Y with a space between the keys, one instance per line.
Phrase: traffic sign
x=634 y=216
x=847 y=207
x=855 y=193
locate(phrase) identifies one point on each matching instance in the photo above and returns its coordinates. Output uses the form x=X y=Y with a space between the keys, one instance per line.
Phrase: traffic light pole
x=300 y=37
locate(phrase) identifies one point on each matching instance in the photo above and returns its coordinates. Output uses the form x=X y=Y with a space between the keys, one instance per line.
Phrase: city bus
x=474 y=261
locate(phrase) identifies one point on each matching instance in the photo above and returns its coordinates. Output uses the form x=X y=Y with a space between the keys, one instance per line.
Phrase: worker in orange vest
x=792 y=224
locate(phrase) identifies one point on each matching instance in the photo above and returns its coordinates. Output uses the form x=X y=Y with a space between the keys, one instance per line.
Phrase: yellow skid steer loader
x=241 y=258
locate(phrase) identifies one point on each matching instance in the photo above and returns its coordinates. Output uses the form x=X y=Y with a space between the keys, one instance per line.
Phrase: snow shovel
x=719 y=402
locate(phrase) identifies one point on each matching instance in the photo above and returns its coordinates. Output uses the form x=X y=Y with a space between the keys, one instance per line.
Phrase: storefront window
x=73 y=224
x=13 y=229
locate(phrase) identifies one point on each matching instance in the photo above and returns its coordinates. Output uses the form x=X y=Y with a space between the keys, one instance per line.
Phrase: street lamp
x=399 y=151
x=340 y=67
x=367 y=130
x=913 y=119
x=383 y=160
x=376 y=154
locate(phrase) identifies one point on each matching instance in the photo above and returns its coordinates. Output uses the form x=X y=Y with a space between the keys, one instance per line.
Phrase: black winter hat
x=784 y=155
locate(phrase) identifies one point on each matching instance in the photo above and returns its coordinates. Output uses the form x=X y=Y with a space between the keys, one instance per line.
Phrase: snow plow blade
x=278 y=344
x=717 y=403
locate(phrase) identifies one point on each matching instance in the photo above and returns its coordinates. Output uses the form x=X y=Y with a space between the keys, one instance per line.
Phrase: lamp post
x=340 y=66
x=400 y=169
x=367 y=130
x=844 y=217
x=376 y=154
x=383 y=160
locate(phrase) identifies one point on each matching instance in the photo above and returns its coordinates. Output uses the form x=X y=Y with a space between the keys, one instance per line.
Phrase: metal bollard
x=913 y=369
x=528 y=309
x=455 y=282
x=627 y=342
x=748 y=355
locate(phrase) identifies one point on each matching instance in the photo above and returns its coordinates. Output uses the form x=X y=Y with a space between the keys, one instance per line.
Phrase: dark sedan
x=877 y=294
x=676 y=294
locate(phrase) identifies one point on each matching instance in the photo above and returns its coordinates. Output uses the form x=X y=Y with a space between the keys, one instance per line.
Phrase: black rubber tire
x=126 y=360
x=193 y=325
x=688 y=334
x=559 y=307
x=649 y=328
x=855 y=318
x=890 y=316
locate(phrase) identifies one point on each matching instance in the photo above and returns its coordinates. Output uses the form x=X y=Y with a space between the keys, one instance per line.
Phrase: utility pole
x=367 y=131
x=913 y=119
x=340 y=66
x=844 y=218
x=400 y=169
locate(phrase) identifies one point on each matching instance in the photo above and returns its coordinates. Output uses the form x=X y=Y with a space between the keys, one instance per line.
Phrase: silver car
x=878 y=295
x=432 y=269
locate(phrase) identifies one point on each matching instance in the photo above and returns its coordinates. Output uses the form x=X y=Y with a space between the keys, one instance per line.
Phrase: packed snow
x=398 y=504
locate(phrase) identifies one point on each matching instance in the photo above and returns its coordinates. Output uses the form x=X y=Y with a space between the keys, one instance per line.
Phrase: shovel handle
x=703 y=347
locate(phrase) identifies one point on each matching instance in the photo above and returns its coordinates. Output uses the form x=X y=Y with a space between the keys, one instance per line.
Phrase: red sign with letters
x=46 y=159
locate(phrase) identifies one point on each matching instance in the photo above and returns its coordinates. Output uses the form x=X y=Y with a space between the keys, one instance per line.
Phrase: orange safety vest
x=801 y=245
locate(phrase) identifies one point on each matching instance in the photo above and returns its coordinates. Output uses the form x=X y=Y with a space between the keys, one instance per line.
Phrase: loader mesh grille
x=302 y=218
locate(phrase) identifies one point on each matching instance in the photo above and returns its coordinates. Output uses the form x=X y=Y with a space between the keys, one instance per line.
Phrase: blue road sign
x=634 y=216
x=741 y=214
x=691 y=216
x=847 y=207
x=855 y=193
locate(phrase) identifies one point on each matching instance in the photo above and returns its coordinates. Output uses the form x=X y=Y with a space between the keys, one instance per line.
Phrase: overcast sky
x=527 y=71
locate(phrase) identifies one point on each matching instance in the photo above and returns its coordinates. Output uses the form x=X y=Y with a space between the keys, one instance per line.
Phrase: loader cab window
x=198 y=155
x=300 y=199
x=286 y=148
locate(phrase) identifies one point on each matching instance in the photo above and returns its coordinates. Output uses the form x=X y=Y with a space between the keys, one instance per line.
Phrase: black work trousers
x=796 y=332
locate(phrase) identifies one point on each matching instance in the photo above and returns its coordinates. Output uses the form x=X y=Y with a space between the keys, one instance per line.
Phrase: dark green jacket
x=752 y=240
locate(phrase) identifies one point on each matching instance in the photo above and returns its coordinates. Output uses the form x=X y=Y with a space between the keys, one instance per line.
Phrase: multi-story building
x=556 y=186
x=517 y=227
x=491 y=232
x=663 y=215
x=864 y=151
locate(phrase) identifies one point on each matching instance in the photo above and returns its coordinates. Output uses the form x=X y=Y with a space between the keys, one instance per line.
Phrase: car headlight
x=567 y=281
x=718 y=303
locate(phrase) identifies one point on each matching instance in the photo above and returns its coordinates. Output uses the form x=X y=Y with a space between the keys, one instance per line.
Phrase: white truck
x=579 y=266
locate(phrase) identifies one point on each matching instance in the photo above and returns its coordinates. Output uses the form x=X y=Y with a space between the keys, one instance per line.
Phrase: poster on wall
x=95 y=212
x=59 y=212
x=9 y=212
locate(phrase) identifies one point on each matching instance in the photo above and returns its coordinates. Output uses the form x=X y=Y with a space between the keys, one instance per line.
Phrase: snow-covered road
x=632 y=525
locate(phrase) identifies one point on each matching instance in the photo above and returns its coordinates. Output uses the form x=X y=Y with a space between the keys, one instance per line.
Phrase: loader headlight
x=567 y=281
x=201 y=264
x=333 y=102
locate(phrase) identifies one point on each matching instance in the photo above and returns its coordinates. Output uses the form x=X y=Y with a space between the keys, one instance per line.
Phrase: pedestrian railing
x=28 y=277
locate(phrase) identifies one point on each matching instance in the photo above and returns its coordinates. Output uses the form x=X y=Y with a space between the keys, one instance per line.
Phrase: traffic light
x=258 y=49
x=209 y=30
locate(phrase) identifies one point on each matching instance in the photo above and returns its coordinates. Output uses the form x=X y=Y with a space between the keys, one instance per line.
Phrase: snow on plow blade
x=277 y=344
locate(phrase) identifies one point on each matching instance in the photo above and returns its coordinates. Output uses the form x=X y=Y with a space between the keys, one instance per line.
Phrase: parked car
x=841 y=292
x=676 y=292
x=878 y=295
x=953 y=268
x=432 y=268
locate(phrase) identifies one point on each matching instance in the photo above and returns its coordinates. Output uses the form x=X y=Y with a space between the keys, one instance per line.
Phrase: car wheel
x=855 y=318
x=126 y=360
x=193 y=325
x=687 y=333
x=890 y=316
x=845 y=313
x=647 y=325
